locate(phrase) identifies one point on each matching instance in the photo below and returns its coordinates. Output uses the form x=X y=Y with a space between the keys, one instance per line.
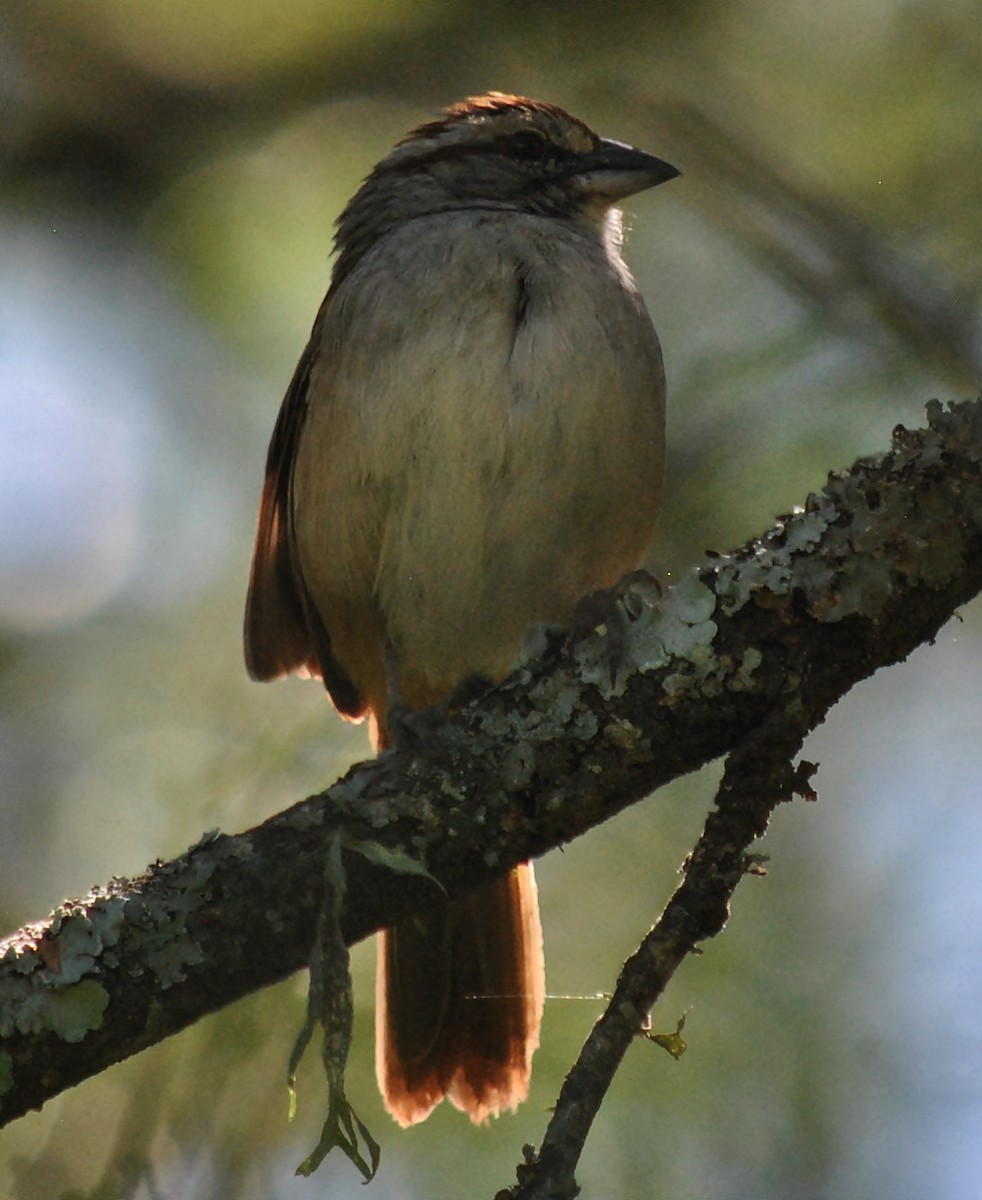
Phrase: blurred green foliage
x=170 y=175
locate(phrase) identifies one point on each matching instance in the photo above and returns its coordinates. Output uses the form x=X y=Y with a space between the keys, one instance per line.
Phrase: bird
x=473 y=440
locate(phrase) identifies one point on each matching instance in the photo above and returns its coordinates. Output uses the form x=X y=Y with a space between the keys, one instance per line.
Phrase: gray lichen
x=655 y=631
x=56 y=974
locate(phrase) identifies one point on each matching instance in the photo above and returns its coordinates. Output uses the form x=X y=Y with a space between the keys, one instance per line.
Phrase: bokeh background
x=170 y=174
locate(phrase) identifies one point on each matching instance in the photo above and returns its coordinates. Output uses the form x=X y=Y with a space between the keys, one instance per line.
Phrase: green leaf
x=674 y=1043
x=393 y=860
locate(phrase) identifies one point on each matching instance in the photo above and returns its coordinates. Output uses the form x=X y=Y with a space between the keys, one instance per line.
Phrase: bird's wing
x=283 y=630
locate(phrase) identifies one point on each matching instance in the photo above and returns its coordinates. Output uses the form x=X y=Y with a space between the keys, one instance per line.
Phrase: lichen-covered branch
x=860 y=575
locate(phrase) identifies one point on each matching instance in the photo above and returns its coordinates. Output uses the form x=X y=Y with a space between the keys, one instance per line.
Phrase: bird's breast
x=484 y=440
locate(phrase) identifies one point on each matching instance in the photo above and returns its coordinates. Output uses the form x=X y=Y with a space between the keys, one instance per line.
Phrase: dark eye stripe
x=526 y=144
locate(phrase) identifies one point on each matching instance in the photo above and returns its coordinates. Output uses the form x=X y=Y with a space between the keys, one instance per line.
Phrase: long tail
x=459 y=1002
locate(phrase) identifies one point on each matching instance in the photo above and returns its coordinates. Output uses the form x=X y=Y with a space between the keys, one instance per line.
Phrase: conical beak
x=613 y=170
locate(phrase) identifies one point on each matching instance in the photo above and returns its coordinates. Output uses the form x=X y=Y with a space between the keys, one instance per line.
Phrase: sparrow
x=472 y=441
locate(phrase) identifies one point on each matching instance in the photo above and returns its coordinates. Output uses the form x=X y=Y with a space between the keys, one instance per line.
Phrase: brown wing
x=277 y=639
x=283 y=630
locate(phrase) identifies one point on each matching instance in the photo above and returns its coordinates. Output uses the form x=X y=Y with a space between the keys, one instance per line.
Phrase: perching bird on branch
x=472 y=441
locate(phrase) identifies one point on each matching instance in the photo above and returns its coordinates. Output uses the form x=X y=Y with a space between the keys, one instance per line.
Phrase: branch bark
x=757 y=645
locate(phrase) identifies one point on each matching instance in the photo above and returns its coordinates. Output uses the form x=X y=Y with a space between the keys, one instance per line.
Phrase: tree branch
x=758 y=777
x=764 y=639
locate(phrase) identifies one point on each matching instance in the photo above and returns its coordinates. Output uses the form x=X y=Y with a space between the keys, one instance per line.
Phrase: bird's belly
x=486 y=472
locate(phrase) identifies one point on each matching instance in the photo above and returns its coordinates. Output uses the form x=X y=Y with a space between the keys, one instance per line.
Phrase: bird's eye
x=527 y=144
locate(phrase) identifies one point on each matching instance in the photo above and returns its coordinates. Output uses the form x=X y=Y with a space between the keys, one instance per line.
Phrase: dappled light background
x=169 y=180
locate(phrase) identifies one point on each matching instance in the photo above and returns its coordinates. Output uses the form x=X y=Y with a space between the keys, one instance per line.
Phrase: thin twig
x=758 y=777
